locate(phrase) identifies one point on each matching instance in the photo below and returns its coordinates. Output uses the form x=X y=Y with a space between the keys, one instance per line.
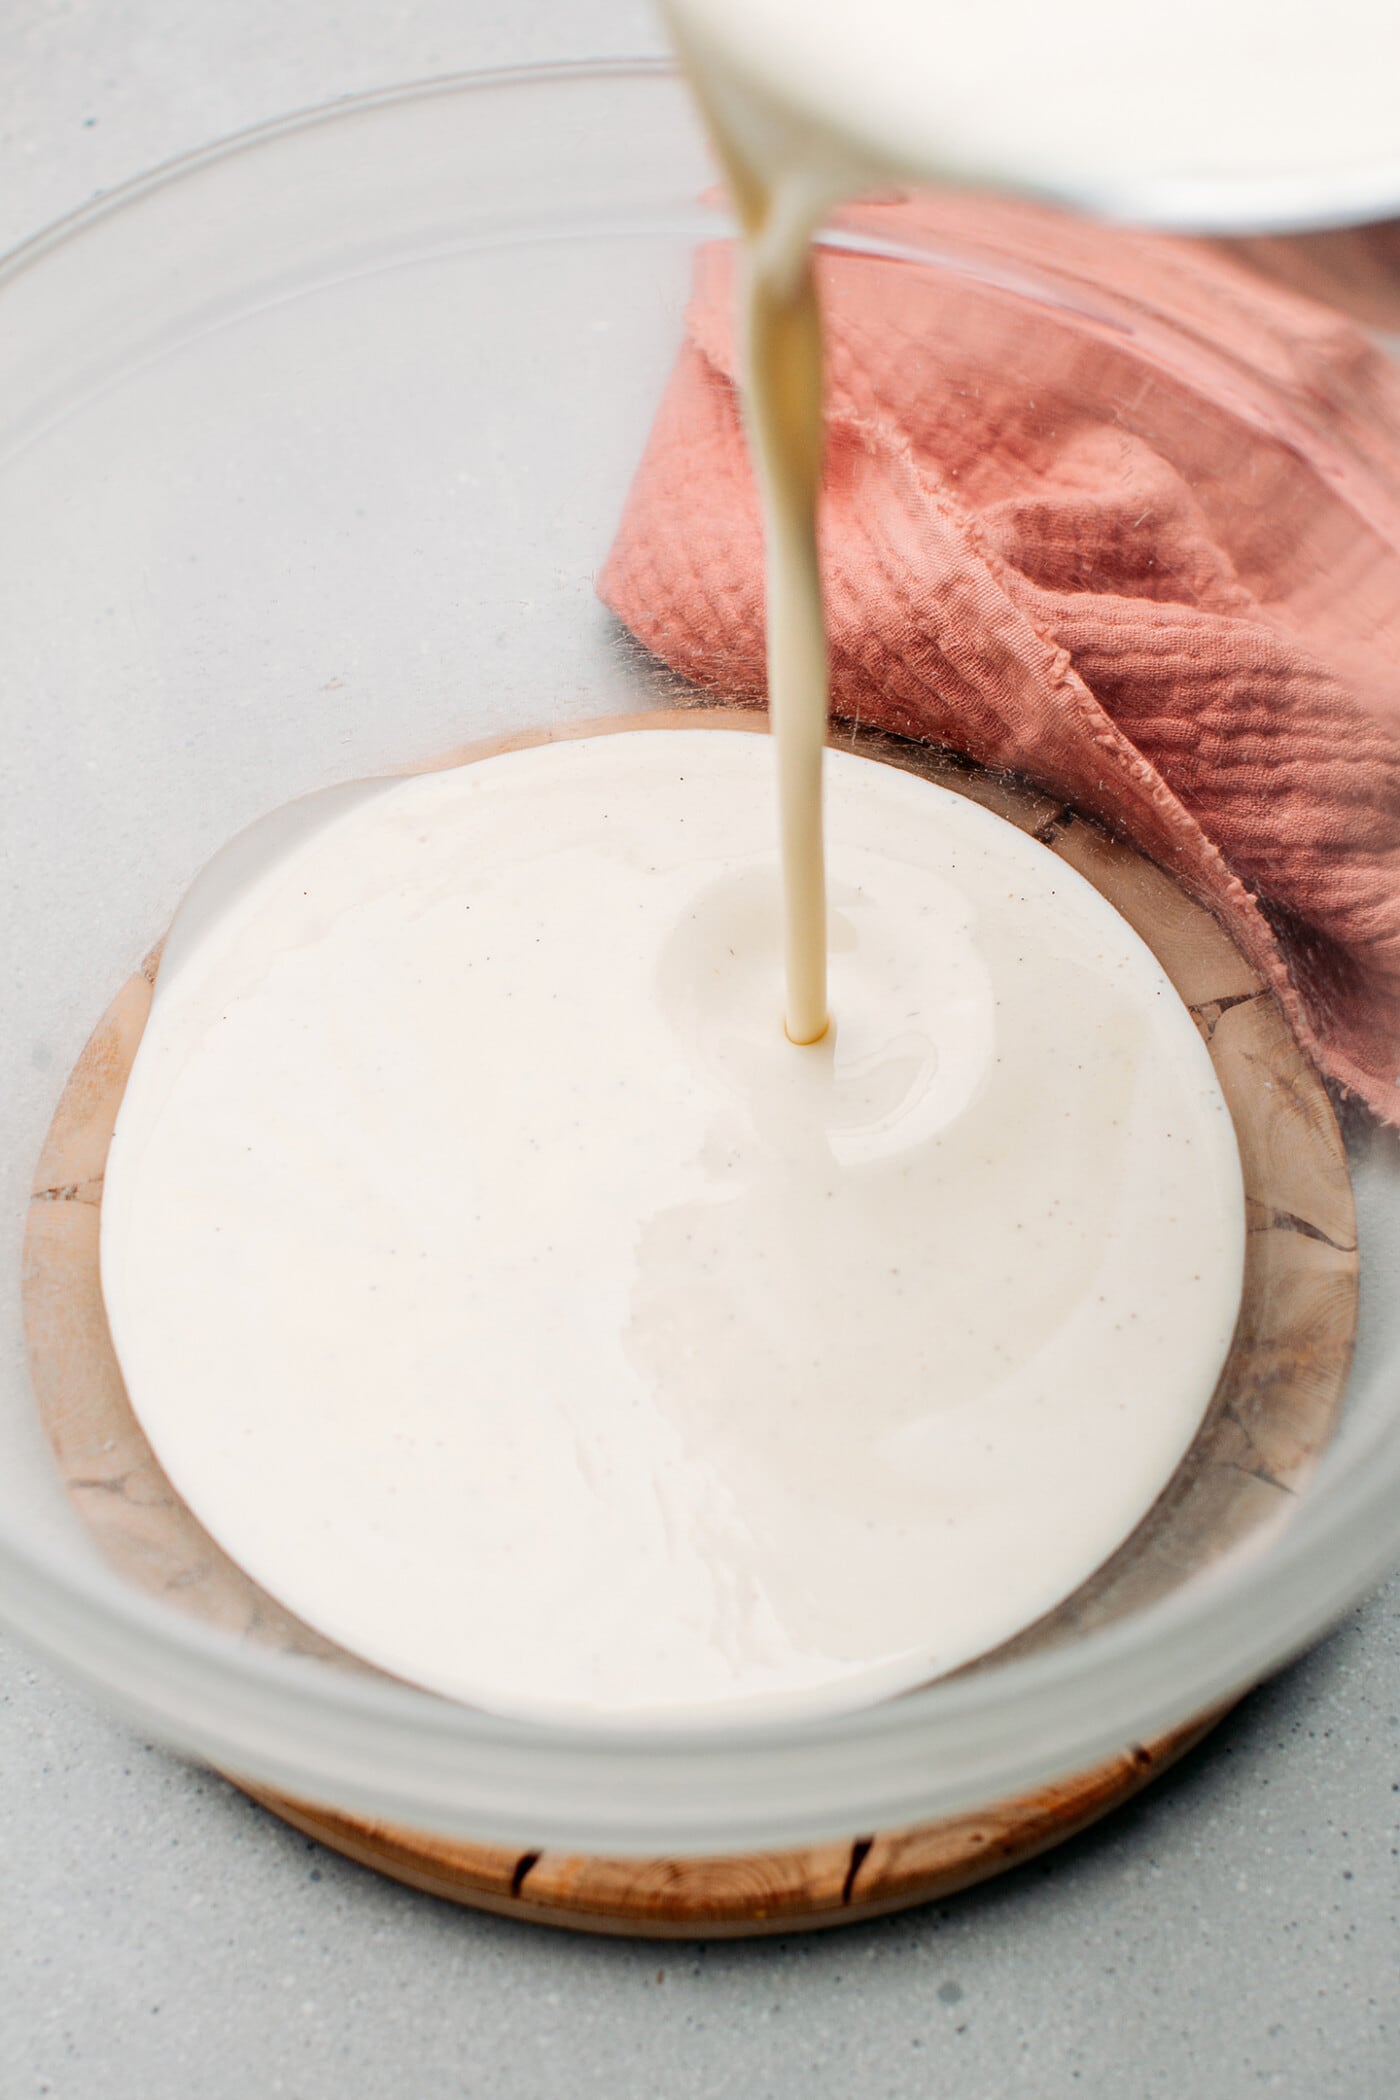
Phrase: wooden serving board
x=1270 y=1419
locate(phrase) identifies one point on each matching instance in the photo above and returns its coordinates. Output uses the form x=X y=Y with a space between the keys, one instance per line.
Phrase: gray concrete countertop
x=1236 y=1930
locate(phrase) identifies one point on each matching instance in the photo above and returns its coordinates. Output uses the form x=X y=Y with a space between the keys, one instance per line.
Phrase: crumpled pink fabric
x=1138 y=543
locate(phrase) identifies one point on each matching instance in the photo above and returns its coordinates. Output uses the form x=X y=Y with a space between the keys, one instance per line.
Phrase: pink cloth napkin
x=1138 y=543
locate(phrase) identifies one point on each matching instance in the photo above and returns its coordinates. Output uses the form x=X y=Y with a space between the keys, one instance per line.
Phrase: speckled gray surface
x=1236 y=1930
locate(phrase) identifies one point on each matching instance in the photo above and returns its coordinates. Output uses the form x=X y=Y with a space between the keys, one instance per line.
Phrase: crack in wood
x=524 y=1868
x=1055 y=826
x=1252 y=1465
x=860 y=1851
x=1210 y=1012
x=1289 y=1221
x=1258 y=1472
x=88 y=1191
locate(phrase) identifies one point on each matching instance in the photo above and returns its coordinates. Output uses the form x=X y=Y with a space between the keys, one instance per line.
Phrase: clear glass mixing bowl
x=310 y=449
